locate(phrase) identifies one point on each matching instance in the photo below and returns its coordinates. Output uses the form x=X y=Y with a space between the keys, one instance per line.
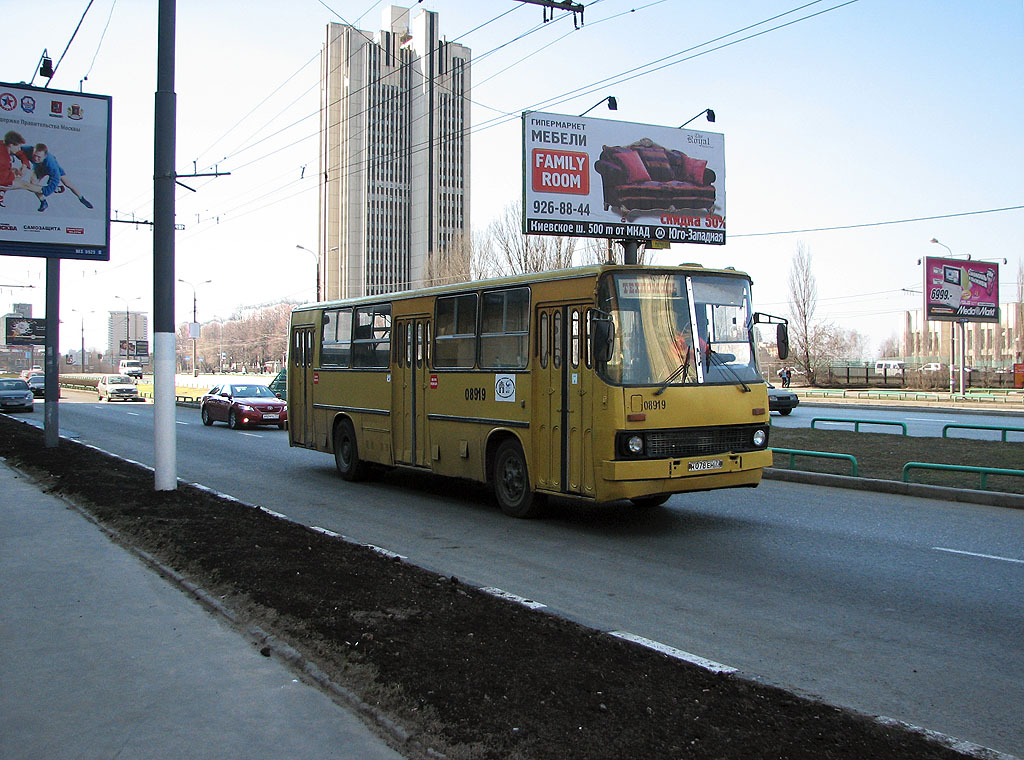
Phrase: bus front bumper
x=628 y=479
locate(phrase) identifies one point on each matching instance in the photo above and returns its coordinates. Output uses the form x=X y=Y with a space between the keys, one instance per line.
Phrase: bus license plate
x=706 y=464
x=276 y=416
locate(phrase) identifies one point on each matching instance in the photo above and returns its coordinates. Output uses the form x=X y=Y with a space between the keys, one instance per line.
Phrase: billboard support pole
x=165 y=435
x=963 y=352
x=630 y=249
x=51 y=358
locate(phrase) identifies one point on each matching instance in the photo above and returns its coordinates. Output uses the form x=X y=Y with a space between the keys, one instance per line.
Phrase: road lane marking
x=179 y=422
x=976 y=554
x=253 y=435
x=134 y=414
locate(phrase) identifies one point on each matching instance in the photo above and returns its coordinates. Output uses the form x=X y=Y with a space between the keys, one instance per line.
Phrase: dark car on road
x=243 y=404
x=37 y=384
x=781 y=401
x=15 y=396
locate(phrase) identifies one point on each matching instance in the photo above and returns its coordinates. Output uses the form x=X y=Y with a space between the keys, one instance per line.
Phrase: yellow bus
x=602 y=383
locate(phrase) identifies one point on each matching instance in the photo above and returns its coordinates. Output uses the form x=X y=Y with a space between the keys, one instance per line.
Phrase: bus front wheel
x=511 y=481
x=346 y=452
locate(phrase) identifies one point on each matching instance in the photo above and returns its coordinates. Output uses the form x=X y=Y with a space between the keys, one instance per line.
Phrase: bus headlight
x=760 y=437
x=635 y=444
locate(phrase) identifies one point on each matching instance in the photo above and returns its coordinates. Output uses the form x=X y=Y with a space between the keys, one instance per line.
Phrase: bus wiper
x=680 y=370
x=712 y=354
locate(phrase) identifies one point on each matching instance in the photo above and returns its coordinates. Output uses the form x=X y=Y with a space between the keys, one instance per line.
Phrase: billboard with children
x=54 y=173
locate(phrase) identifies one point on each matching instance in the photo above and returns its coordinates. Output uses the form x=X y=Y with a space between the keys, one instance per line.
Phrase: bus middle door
x=411 y=382
x=562 y=395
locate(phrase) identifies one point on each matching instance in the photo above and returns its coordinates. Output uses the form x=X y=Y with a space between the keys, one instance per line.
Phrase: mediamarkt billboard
x=586 y=177
x=54 y=173
x=958 y=289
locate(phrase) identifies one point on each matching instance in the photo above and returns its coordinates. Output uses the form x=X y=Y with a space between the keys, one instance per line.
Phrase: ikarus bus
x=603 y=383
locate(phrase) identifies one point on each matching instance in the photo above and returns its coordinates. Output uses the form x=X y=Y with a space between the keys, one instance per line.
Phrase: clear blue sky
x=870 y=111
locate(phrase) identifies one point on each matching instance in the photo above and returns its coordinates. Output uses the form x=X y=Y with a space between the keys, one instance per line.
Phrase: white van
x=889 y=367
x=130 y=367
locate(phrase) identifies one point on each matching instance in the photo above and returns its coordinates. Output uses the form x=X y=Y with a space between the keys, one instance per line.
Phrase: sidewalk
x=101 y=657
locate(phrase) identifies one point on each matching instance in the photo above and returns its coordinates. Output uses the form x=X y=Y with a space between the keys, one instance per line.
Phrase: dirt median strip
x=456 y=669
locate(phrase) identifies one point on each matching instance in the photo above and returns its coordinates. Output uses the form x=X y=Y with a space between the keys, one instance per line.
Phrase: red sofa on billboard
x=644 y=177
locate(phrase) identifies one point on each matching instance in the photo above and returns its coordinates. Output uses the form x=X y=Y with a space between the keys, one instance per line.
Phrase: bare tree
x=890 y=347
x=510 y=251
x=455 y=264
x=803 y=301
x=606 y=251
x=815 y=342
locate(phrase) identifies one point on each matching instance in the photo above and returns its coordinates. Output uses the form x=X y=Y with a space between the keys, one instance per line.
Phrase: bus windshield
x=678 y=329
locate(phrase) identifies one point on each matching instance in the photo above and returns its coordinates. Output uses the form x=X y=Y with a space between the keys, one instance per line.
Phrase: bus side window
x=588 y=340
x=419 y=344
x=574 y=337
x=335 y=346
x=556 y=340
x=543 y=339
x=409 y=344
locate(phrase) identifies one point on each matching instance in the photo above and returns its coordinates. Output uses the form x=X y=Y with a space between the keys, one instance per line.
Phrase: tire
x=233 y=420
x=207 y=420
x=510 y=479
x=280 y=426
x=346 y=453
x=646 y=502
x=784 y=412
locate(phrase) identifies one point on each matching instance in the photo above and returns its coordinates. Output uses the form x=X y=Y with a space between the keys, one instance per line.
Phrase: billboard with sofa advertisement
x=586 y=177
x=54 y=173
x=961 y=289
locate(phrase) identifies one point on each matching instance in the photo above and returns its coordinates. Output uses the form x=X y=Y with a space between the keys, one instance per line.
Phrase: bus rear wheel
x=511 y=482
x=346 y=453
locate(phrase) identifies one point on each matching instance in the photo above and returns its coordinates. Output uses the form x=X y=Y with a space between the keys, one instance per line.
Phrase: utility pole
x=165 y=136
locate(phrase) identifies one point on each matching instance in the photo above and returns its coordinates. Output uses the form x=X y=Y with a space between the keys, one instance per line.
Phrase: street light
x=82 y=314
x=193 y=330
x=613 y=105
x=127 y=334
x=317 y=257
x=708 y=111
x=937 y=242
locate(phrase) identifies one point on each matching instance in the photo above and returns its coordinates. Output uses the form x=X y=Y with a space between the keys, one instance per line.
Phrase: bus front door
x=409 y=391
x=300 y=387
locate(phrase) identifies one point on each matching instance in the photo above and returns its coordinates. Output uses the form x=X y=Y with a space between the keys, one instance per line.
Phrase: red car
x=243 y=404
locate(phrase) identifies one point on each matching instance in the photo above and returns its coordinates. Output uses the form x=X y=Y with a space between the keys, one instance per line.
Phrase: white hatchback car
x=117 y=387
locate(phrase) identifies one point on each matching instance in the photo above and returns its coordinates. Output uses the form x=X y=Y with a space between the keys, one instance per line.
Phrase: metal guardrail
x=858 y=423
x=820 y=454
x=983 y=471
x=1004 y=430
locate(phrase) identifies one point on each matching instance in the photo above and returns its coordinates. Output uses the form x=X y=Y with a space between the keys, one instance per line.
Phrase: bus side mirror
x=782 y=340
x=604 y=339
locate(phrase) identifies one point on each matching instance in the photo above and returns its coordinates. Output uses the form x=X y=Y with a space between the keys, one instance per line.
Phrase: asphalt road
x=900 y=606
x=920 y=421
